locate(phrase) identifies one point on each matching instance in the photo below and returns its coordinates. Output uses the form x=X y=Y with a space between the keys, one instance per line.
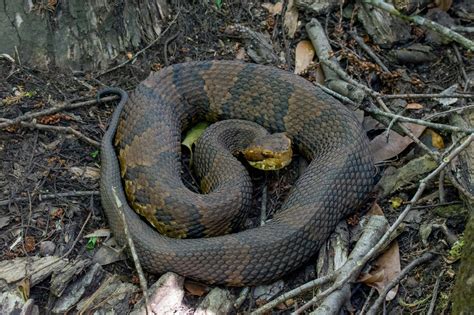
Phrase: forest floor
x=49 y=179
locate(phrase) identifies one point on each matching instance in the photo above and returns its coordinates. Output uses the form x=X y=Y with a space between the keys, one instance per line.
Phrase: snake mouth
x=270 y=153
x=273 y=164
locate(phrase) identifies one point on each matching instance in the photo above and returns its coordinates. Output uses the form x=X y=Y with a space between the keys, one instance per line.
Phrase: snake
x=140 y=152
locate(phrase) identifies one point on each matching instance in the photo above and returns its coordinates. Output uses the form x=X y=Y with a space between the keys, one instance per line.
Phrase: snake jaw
x=271 y=153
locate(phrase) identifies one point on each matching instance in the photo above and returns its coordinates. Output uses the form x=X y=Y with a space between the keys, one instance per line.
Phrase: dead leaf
x=273 y=9
x=414 y=106
x=99 y=233
x=291 y=19
x=4 y=221
x=30 y=244
x=383 y=150
x=387 y=268
x=436 y=139
x=304 y=54
x=444 y=4
x=376 y=210
x=24 y=289
x=85 y=172
x=196 y=288
x=241 y=54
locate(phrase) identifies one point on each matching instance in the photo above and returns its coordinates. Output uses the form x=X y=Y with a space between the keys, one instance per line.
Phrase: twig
x=368 y=50
x=153 y=42
x=366 y=304
x=133 y=251
x=447 y=112
x=446 y=32
x=420 y=260
x=405 y=130
x=348 y=272
x=70 y=130
x=435 y=293
x=332 y=73
x=295 y=292
x=53 y=110
x=420 y=122
x=442 y=192
x=436 y=95
x=340 y=97
x=78 y=235
x=52 y=196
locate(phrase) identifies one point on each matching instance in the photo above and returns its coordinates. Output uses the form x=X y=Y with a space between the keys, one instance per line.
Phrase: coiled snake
x=147 y=131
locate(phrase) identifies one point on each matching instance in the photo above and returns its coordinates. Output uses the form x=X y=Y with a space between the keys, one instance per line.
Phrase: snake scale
x=149 y=125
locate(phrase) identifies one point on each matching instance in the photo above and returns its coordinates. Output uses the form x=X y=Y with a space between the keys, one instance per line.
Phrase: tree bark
x=77 y=34
x=463 y=293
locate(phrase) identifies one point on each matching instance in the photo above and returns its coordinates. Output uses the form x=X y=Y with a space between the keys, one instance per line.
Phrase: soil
x=36 y=163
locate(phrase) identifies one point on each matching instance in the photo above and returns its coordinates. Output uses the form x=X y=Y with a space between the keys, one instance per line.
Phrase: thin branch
x=420 y=122
x=133 y=251
x=295 y=292
x=52 y=196
x=368 y=50
x=435 y=95
x=447 y=112
x=53 y=110
x=420 y=260
x=435 y=293
x=446 y=32
x=69 y=130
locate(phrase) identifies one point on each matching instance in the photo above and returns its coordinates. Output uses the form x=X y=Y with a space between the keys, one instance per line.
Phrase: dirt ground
x=37 y=163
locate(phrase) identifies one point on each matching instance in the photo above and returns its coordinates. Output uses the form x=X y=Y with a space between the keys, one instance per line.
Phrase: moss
x=463 y=294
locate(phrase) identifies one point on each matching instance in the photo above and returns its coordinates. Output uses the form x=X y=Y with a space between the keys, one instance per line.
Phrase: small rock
x=218 y=301
x=47 y=248
x=265 y=293
x=165 y=296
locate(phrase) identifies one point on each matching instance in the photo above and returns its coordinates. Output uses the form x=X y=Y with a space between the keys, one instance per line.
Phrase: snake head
x=269 y=153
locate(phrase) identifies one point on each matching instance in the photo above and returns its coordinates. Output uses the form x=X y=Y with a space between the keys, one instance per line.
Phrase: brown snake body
x=148 y=132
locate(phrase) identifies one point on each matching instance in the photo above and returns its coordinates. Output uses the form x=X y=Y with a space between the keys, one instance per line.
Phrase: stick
x=53 y=110
x=52 y=196
x=133 y=251
x=419 y=121
x=446 y=32
x=60 y=129
x=369 y=51
x=420 y=260
x=435 y=95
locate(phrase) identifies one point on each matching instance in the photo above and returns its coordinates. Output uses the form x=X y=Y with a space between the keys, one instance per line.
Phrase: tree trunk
x=77 y=34
x=463 y=294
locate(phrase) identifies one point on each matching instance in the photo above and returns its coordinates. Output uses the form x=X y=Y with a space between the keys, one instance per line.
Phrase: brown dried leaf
x=414 y=106
x=291 y=19
x=444 y=4
x=383 y=150
x=304 y=55
x=273 y=9
x=196 y=288
x=436 y=139
x=376 y=210
x=387 y=268
x=30 y=244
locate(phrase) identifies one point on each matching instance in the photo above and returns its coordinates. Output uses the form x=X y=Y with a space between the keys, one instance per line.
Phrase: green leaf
x=193 y=135
x=94 y=154
x=91 y=243
x=218 y=3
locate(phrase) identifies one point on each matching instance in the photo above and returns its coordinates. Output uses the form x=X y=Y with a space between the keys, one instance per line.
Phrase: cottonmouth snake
x=150 y=123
